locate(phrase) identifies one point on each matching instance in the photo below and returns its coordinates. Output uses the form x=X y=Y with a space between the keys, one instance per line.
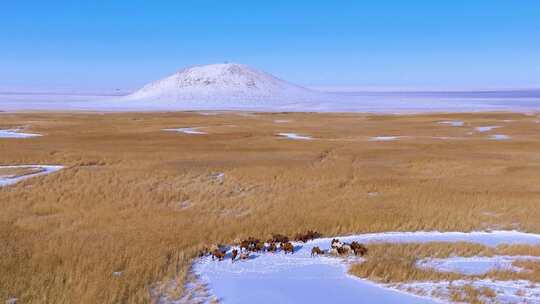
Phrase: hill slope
x=223 y=83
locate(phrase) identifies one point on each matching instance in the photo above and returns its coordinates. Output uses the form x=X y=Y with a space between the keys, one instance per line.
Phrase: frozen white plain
x=237 y=87
x=299 y=278
x=486 y=128
x=295 y=136
x=186 y=130
x=16 y=133
x=45 y=169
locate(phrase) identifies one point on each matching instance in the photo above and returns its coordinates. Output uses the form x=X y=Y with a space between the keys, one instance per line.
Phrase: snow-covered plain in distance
x=45 y=169
x=300 y=278
x=16 y=133
x=239 y=87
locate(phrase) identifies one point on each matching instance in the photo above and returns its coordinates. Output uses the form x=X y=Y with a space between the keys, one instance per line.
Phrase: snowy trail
x=299 y=278
x=46 y=169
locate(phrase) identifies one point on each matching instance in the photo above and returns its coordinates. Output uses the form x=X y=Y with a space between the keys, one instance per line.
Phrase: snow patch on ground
x=16 y=133
x=46 y=169
x=508 y=292
x=300 y=278
x=384 y=138
x=486 y=128
x=477 y=265
x=453 y=123
x=193 y=130
x=499 y=137
x=295 y=136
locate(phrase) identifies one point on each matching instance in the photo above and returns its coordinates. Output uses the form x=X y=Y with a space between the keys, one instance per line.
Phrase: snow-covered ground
x=45 y=169
x=300 y=278
x=194 y=130
x=453 y=123
x=243 y=88
x=499 y=137
x=507 y=292
x=486 y=128
x=295 y=136
x=16 y=133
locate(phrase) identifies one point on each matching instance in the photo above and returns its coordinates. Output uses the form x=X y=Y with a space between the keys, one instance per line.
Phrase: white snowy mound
x=223 y=83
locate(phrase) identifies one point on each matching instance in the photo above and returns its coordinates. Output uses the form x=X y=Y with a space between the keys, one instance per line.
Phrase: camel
x=358 y=248
x=244 y=256
x=308 y=236
x=316 y=251
x=287 y=247
x=271 y=247
x=279 y=238
x=217 y=254
x=336 y=243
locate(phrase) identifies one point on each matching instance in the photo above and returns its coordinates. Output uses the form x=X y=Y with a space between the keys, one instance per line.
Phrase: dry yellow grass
x=142 y=201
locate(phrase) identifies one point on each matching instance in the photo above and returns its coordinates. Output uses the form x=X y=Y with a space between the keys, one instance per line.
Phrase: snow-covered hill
x=224 y=83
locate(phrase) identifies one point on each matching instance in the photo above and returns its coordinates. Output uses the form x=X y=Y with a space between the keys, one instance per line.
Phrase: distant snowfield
x=326 y=102
x=16 y=133
x=299 y=278
x=237 y=87
x=45 y=169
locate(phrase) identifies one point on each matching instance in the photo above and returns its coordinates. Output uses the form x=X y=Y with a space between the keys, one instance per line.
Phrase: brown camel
x=271 y=247
x=287 y=247
x=316 y=251
x=234 y=253
x=244 y=256
x=217 y=254
x=358 y=249
x=280 y=238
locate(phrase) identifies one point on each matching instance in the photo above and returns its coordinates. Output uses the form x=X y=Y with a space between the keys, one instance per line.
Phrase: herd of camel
x=282 y=242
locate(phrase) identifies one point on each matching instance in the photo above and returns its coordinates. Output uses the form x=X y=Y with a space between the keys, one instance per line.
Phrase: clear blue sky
x=413 y=43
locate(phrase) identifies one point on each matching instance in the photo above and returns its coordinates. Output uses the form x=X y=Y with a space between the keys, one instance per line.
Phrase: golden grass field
x=141 y=201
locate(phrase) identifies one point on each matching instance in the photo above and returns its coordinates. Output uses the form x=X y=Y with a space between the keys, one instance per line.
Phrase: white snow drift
x=187 y=130
x=295 y=136
x=42 y=170
x=299 y=278
x=16 y=133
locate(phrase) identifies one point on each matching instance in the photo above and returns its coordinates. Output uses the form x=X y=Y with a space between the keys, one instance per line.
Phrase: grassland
x=139 y=201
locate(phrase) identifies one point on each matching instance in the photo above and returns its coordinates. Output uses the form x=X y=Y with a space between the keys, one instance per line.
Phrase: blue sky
x=414 y=43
